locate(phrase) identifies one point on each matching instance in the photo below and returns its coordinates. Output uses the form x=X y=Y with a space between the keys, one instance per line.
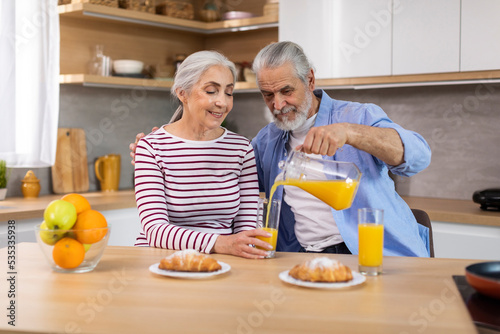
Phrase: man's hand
x=325 y=140
x=133 y=146
x=239 y=244
x=383 y=143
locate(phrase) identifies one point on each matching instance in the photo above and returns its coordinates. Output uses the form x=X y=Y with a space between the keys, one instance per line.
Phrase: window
x=29 y=82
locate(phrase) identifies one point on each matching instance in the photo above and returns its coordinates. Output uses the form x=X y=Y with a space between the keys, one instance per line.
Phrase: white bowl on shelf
x=234 y=15
x=128 y=66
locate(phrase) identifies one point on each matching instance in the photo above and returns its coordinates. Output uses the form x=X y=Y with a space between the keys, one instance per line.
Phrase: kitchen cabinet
x=153 y=39
x=426 y=36
x=343 y=38
x=480 y=49
x=365 y=44
x=466 y=241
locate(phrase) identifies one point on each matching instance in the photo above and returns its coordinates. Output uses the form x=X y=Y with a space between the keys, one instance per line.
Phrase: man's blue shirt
x=402 y=234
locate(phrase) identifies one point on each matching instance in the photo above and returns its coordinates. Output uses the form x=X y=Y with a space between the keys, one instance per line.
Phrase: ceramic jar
x=30 y=185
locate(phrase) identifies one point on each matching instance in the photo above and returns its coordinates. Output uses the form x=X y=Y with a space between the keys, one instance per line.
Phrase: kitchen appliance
x=485 y=278
x=484 y=311
x=489 y=199
x=70 y=170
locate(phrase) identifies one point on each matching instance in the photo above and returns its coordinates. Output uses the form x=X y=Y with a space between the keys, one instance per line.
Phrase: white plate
x=186 y=274
x=357 y=278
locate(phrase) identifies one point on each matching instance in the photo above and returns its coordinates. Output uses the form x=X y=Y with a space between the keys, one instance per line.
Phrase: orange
x=85 y=225
x=80 y=202
x=68 y=253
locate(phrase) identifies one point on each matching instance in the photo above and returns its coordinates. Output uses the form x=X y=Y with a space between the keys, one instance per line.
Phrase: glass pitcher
x=333 y=182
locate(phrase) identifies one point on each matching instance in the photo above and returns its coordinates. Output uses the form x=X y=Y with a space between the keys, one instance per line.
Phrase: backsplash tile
x=461 y=123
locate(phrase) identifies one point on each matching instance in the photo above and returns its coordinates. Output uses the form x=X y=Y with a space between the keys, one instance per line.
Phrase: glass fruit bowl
x=73 y=250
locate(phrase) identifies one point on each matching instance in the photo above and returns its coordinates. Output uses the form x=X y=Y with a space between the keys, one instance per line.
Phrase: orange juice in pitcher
x=333 y=182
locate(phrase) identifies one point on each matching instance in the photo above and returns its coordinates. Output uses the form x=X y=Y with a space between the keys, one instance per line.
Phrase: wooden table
x=414 y=295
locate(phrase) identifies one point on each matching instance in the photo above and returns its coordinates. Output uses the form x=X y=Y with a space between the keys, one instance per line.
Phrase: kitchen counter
x=443 y=210
x=122 y=296
x=454 y=211
x=17 y=208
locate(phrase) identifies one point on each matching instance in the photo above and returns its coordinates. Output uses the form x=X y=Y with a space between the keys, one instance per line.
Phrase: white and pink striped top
x=189 y=192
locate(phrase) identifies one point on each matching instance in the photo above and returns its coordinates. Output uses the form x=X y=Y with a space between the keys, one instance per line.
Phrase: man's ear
x=311 y=80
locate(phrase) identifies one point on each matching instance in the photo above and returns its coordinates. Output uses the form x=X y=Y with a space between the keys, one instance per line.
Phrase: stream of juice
x=336 y=193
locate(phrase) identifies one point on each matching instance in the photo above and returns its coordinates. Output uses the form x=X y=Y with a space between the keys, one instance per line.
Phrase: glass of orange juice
x=370 y=241
x=268 y=219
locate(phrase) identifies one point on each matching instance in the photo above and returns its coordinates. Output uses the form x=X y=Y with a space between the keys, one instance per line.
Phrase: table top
x=121 y=295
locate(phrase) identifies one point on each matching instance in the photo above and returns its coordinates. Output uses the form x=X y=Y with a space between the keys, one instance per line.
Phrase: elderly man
x=309 y=120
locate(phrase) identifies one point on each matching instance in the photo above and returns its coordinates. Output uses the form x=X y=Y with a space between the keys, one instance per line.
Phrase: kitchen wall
x=460 y=122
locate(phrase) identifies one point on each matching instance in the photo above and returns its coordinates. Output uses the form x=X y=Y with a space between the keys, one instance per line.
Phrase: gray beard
x=300 y=115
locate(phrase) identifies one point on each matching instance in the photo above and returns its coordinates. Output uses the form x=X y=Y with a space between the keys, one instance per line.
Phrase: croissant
x=189 y=260
x=321 y=269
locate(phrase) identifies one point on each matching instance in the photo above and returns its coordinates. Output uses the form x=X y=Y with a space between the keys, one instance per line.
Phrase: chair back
x=423 y=219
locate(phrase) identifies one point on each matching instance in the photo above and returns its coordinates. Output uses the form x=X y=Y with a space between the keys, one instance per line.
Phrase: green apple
x=60 y=215
x=50 y=237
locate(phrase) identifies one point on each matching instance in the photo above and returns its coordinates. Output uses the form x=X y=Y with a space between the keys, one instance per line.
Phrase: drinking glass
x=268 y=219
x=371 y=241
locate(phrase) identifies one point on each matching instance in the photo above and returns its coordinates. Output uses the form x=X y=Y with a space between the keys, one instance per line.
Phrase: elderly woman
x=196 y=182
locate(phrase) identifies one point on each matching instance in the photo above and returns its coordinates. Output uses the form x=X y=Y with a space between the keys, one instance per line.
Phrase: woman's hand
x=239 y=244
x=133 y=146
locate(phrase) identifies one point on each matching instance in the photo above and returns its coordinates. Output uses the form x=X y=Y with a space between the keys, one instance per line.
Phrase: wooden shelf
x=452 y=78
x=346 y=83
x=97 y=12
x=131 y=83
x=114 y=82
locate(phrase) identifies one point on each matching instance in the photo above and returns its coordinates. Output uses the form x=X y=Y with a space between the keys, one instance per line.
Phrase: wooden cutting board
x=70 y=171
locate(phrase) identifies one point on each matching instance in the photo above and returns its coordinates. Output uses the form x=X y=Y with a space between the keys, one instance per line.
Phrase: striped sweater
x=189 y=192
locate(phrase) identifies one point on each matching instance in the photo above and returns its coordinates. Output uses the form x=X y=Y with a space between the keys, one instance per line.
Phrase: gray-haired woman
x=196 y=182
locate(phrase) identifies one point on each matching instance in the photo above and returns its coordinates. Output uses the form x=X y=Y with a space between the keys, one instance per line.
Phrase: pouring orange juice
x=333 y=182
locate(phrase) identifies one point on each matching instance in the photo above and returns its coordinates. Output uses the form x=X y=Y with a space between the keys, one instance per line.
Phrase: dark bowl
x=484 y=277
